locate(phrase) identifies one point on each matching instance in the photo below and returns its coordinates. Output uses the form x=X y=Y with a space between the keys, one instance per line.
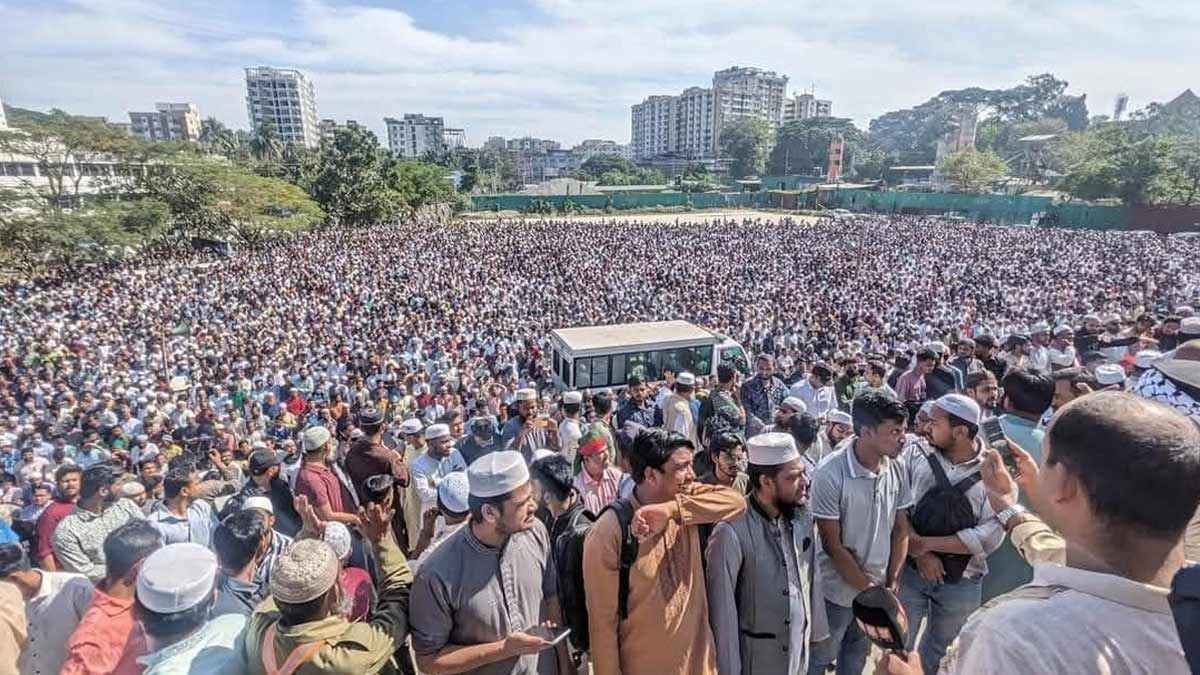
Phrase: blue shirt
x=197 y=527
x=1025 y=433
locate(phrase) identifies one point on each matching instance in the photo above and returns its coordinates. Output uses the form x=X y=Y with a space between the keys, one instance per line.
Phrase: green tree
x=418 y=184
x=598 y=165
x=347 y=179
x=1115 y=162
x=802 y=146
x=746 y=141
x=265 y=144
x=973 y=170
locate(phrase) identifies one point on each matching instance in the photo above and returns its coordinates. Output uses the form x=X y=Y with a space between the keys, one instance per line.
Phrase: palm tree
x=266 y=145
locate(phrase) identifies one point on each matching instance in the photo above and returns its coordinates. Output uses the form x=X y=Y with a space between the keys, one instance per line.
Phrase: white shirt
x=53 y=615
x=818 y=401
x=1090 y=623
x=569 y=433
x=427 y=472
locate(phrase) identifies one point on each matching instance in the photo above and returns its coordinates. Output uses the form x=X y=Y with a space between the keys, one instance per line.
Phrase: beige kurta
x=667 y=631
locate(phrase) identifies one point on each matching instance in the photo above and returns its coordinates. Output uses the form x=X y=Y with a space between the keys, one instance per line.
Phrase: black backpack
x=943 y=511
x=568 y=556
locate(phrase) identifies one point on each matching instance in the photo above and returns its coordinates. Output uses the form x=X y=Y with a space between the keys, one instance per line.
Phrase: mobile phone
x=551 y=635
x=999 y=442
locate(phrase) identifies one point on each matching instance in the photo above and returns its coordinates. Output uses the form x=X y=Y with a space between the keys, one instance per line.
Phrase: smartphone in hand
x=551 y=635
x=996 y=439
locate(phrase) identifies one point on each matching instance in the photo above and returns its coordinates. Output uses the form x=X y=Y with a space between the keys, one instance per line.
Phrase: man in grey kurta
x=770 y=548
x=468 y=592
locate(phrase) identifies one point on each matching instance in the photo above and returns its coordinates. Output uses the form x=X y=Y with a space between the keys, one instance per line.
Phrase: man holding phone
x=528 y=430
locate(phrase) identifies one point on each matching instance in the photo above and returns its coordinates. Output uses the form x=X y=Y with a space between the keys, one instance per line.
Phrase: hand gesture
x=996 y=478
x=313 y=526
x=214 y=456
x=930 y=568
x=376 y=522
x=520 y=644
x=899 y=663
x=1027 y=469
x=651 y=520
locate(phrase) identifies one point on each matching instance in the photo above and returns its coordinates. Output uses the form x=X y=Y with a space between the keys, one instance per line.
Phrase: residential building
x=692 y=132
x=416 y=135
x=168 y=122
x=594 y=146
x=328 y=127
x=495 y=143
x=652 y=122
x=284 y=98
x=746 y=92
x=454 y=138
x=530 y=144
x=806 y=107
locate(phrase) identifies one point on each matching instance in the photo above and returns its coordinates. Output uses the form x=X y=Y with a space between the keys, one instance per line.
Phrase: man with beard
x=943 y=579
x=264 y=481
x=769 y=547
x=477 y=596
x=763 y=393
x=985 y=351
x=860 y=498
x=837 y=428
x=528 y=431
x=439 y=460
x=964 y=360
x=985 y=391
x=636 y=409
x=723 y=400
x=67 y=478
x=79 y=538
x=815 y=390
x=480 y=441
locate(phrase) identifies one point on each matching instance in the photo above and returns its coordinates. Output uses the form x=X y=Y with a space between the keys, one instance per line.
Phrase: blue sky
x=570 y=69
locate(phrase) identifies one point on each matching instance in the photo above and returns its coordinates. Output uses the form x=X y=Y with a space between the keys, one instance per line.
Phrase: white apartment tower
x=805 y=107
x=285 y=98
x=746 y=92
x=652 y=126
x=168 y=122
x=415 y=135
x=693 y=128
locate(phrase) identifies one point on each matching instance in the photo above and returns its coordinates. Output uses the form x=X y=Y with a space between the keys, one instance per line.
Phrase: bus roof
x=630 y=335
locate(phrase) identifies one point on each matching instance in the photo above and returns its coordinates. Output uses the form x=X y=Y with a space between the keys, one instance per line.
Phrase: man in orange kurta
x=667 y=630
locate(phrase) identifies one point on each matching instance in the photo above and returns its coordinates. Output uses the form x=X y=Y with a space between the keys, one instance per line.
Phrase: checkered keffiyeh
x=1156 y=386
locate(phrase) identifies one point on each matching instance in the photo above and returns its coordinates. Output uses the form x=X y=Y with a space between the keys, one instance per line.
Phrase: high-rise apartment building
x=805 y=107
x=284 y=98
x=531 y=144
x=494 y=143
x=747 y=92
x=168 y=122
x=692 y=136
x=653 y=121
x=454 y=138
x=416 y=135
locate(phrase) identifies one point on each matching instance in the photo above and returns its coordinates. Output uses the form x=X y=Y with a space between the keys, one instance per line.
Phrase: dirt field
x=690 y=216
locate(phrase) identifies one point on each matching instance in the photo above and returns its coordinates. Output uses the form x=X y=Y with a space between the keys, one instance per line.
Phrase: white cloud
x=574 y=72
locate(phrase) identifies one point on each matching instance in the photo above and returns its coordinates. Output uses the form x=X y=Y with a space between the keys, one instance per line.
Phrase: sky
x=571 y=69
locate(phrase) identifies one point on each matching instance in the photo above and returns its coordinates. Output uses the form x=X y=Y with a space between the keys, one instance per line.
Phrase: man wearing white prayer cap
x=301 y=620
x=1110 y=376
x=175 y=593
x=770 y=546
x=439 y=460
x=837 y=427
x=453 y=509
x=945 y=581
x=529 y=430
x=490 y=581
x=792 y=405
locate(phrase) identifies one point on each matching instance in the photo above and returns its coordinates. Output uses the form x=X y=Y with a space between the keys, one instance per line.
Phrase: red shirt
x=107 y=639
x=322 y=487
x=46 y=524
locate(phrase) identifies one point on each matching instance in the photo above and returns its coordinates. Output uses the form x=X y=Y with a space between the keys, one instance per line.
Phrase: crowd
x=346 y=452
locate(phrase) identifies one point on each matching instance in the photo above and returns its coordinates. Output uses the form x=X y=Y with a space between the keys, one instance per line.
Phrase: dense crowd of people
x=347 y=452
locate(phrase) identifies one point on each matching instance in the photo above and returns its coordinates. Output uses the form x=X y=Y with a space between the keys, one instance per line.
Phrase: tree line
x=101 y=193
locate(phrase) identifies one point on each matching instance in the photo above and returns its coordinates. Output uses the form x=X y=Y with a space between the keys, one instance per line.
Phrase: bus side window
x=618 y=369
x=702 y=360
x=600 y=371
x=583 y=373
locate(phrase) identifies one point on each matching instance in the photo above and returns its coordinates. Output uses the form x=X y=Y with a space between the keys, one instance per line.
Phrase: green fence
x=990 y=208
x=699 y=200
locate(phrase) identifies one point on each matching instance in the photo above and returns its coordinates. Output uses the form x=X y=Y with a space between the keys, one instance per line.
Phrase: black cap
x=370 y=417
x=261 y=460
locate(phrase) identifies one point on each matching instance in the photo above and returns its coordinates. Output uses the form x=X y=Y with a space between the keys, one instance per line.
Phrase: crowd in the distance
x=346 y=452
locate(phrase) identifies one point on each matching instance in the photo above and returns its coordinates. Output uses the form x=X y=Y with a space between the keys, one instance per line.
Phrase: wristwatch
x=1010 y=513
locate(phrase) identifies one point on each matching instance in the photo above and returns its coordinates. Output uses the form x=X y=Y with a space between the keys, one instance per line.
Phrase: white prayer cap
x=1109 y=374
x=176 y=577
x=314 y=438
x=686 y=379
x=1063 y=329
x=435 y=431
x=1039 y=327
x=839 y=417
x=1190 y=326
x=1146 y=358
x=939 y=347
x=795 y=403
x=497 y=473
x=926 y=409
x=771 y=449
x=337 y=535
x=453 y=492
x=541 y=453
x=410 y=427
x=526 y=395
x=572 y=398
x=305 y=571
x=258 y=502
x=960 y=406
x=132 y=488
